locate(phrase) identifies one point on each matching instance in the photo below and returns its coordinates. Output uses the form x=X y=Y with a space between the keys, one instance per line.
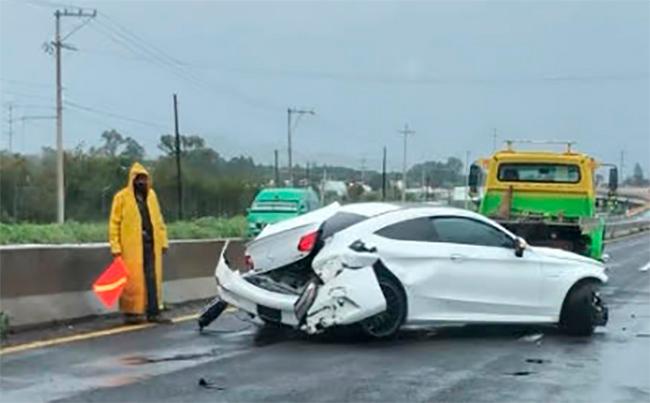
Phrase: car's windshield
x=540 y=172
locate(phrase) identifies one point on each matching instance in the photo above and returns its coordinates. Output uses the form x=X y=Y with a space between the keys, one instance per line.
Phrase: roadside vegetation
x=73 y=232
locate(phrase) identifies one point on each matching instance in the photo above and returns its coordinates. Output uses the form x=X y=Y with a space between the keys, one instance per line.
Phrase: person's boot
x=133 y=319
x=158 y=318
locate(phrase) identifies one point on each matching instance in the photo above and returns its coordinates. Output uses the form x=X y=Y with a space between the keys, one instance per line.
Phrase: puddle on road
x=123 y=380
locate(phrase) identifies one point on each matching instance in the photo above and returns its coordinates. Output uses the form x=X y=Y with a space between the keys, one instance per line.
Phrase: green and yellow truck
x=548 y=198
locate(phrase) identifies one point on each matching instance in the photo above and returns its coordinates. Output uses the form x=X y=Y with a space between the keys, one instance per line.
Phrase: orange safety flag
x=111 y=282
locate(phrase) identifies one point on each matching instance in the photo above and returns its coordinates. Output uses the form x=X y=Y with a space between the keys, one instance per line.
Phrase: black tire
x=580 y=309
x=387 y=324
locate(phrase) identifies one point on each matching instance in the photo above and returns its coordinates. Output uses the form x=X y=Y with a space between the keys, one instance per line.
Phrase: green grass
x=73 y=232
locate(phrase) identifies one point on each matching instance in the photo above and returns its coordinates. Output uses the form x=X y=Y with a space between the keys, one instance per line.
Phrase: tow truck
x=546 y=197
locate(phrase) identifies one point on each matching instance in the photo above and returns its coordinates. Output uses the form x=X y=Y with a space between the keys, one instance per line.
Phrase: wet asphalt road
x=241 y=362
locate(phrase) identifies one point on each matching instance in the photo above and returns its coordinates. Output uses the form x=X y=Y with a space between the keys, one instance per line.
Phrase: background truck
x=276 y=204
x=548 y=198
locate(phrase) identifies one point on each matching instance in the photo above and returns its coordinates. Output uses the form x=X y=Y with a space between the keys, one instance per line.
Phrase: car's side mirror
x=473 y=179
x=613 y=179
x=520 y=246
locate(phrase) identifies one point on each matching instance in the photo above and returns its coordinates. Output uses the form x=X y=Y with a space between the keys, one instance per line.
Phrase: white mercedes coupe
x=381 y=266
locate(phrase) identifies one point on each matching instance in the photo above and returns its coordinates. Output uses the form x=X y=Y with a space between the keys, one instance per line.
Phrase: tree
x=132 y=151
x=167 y=143
x=112 y=141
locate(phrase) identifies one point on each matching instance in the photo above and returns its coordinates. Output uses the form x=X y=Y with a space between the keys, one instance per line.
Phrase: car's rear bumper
x=268 y=305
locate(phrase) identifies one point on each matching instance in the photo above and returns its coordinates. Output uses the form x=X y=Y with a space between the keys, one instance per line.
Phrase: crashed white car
x=382 y=266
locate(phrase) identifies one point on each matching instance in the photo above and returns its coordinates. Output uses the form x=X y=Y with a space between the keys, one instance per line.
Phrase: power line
x=114 y=115
x=138 y=46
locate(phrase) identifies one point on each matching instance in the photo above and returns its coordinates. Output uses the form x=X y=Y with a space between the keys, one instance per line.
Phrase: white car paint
x=444 y=282
x=275 y=246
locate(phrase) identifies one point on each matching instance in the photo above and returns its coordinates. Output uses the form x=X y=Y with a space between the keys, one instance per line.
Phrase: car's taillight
x=307 y=242
x=248 y=262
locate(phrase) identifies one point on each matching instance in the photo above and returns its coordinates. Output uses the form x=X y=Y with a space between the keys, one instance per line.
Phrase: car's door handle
x=456 y=257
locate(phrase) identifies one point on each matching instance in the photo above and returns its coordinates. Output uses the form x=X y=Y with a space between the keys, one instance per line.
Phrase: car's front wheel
x=387 y=323
x=583 y=309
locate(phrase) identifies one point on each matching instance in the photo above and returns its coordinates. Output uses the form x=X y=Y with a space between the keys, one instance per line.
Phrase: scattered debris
x=537 y=361
x=209 y=385
x=623 y=328
x=520 y=373
x=645 y=268
x=532 y=338
x=643 y=335
x=632 y=316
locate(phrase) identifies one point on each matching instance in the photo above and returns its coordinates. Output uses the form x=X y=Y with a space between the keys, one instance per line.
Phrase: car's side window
x=417 y=229
x=470 y=232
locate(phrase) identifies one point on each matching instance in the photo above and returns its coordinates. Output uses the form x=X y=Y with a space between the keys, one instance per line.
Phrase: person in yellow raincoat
x=138 y=234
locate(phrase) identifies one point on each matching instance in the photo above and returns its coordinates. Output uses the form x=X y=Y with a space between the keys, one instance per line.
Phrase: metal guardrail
x=625 y=226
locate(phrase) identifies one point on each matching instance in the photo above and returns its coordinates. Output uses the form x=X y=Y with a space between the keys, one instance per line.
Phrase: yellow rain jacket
x=125 y=237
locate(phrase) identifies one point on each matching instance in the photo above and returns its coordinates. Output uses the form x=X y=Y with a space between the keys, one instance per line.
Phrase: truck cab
x=548 y=198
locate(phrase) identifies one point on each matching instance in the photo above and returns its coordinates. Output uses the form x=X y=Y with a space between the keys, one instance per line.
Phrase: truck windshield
x=539 y=172
x=275 y=205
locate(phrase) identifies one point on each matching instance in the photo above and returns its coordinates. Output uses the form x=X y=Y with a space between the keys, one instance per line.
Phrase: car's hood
x=564 y=255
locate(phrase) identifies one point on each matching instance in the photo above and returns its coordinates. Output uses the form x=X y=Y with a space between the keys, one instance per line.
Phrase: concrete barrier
x=45 y=283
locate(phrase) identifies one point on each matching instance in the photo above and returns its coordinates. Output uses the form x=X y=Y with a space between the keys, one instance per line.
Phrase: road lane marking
x=93 y=335
x=76 y=337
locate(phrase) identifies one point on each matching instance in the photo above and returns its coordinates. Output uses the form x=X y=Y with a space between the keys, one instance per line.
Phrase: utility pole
x=58 y=44
x=299 y=112
x=179 y=178
x=11 y=127
x=276 y=169
x=466 y=180
x=324 y=182
x=424 y=187
x=622 y=165
x=494 y=140
x=383 y=176
x=405 y=132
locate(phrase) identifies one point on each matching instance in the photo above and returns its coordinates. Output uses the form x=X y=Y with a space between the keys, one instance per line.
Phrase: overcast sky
x=453 y=71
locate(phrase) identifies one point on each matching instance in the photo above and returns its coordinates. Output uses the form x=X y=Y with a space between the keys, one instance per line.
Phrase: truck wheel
x=386 y=324
x=580 y=310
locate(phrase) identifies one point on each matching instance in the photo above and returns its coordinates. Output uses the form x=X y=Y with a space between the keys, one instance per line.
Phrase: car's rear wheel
x=581 y=309
x=387 y=323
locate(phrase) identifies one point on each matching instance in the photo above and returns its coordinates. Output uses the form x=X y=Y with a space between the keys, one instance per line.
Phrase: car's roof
x=282 y=193
x=376 y=208
x=411 y=211
x=370 y=209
